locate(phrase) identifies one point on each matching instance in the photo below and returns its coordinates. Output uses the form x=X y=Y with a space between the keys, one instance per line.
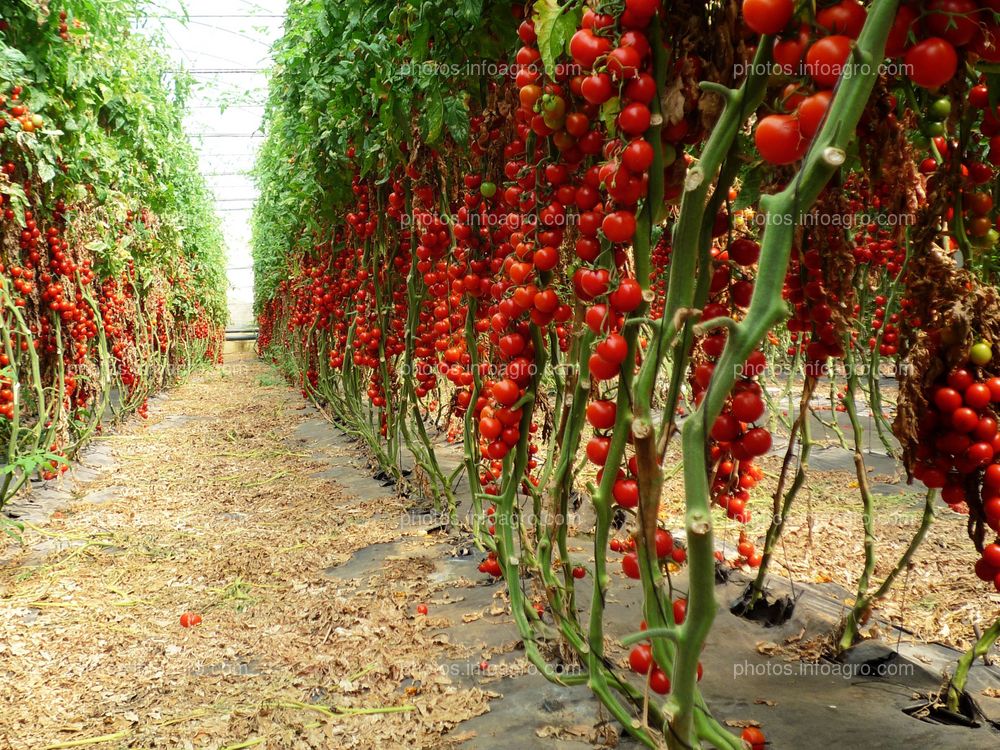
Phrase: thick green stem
x=783 y=211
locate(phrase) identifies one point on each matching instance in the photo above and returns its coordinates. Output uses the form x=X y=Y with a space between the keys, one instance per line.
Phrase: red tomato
x=980 y=454
x=637 y=155
x=931 y=62
x=624 y=62
x=490 y=428
x=659 y=682
x=546 y=258
x=190 y=619
x=846 y=17
x=596 y=89
x=954 y=20
x=726 y=428
x=964 y=419
x=664 y=543
x=977 y=396
x=826 y=57
x=960 y=379
x=788 y=53
x=627 y=297
x=811 y=111
x=947 y=399
x=601 y=414
x=640 y=658
x=614 y=348
x=619 y=226
x=987 y=44
x=586 y=47
x=744 y=252
x=899 y=34
x=506 y=392
x=630 y=565
x=991 y=554
x=602 y=369
x=754 y=737
x=634 y=118
x=747 y=406
x=757 y=441
x=642 y=88
x=779 y=140
x=642 y=8
x=597 y=450
x=767 y=16
x=626 y=493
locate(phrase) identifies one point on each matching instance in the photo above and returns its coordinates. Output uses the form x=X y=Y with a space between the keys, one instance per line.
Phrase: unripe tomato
x=981 y=353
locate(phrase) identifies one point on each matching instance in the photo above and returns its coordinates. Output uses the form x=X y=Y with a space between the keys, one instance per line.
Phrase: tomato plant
x=598 y=257
x=111 y=261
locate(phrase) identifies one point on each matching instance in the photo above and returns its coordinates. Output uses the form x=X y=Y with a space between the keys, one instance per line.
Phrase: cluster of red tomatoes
x=116 y=302
x=812 y=324
x=641 y=661
x=735 y=438
x=959 y=449
x=18 y=111
x=491 y=566
x=64 y=25
x=924 y=40
x=665 y=550
x=6 y=391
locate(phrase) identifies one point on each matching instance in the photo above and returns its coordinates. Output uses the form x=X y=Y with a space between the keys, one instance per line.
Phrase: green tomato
x=940 y=109
x=488 y=189
x=669 y=154
x=987 y=241
x=932 y=129
x=980 y=354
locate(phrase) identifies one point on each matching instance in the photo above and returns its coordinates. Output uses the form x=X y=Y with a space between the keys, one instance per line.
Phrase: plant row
x=581 y=241
x=111 y=258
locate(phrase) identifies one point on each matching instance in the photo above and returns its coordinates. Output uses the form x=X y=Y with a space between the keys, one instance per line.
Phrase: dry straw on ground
x=214 y=508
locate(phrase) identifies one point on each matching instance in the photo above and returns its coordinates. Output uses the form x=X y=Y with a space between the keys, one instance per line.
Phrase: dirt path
x=218 y=505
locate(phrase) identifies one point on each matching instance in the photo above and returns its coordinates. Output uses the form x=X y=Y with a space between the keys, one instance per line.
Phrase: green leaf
x=456 y=119
x=434 y=117
x=993 y=89
x=749 y=189
x=609 y=114
x=46 y=171
x=420 y=35
x=554 y=26
x=472 y=9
